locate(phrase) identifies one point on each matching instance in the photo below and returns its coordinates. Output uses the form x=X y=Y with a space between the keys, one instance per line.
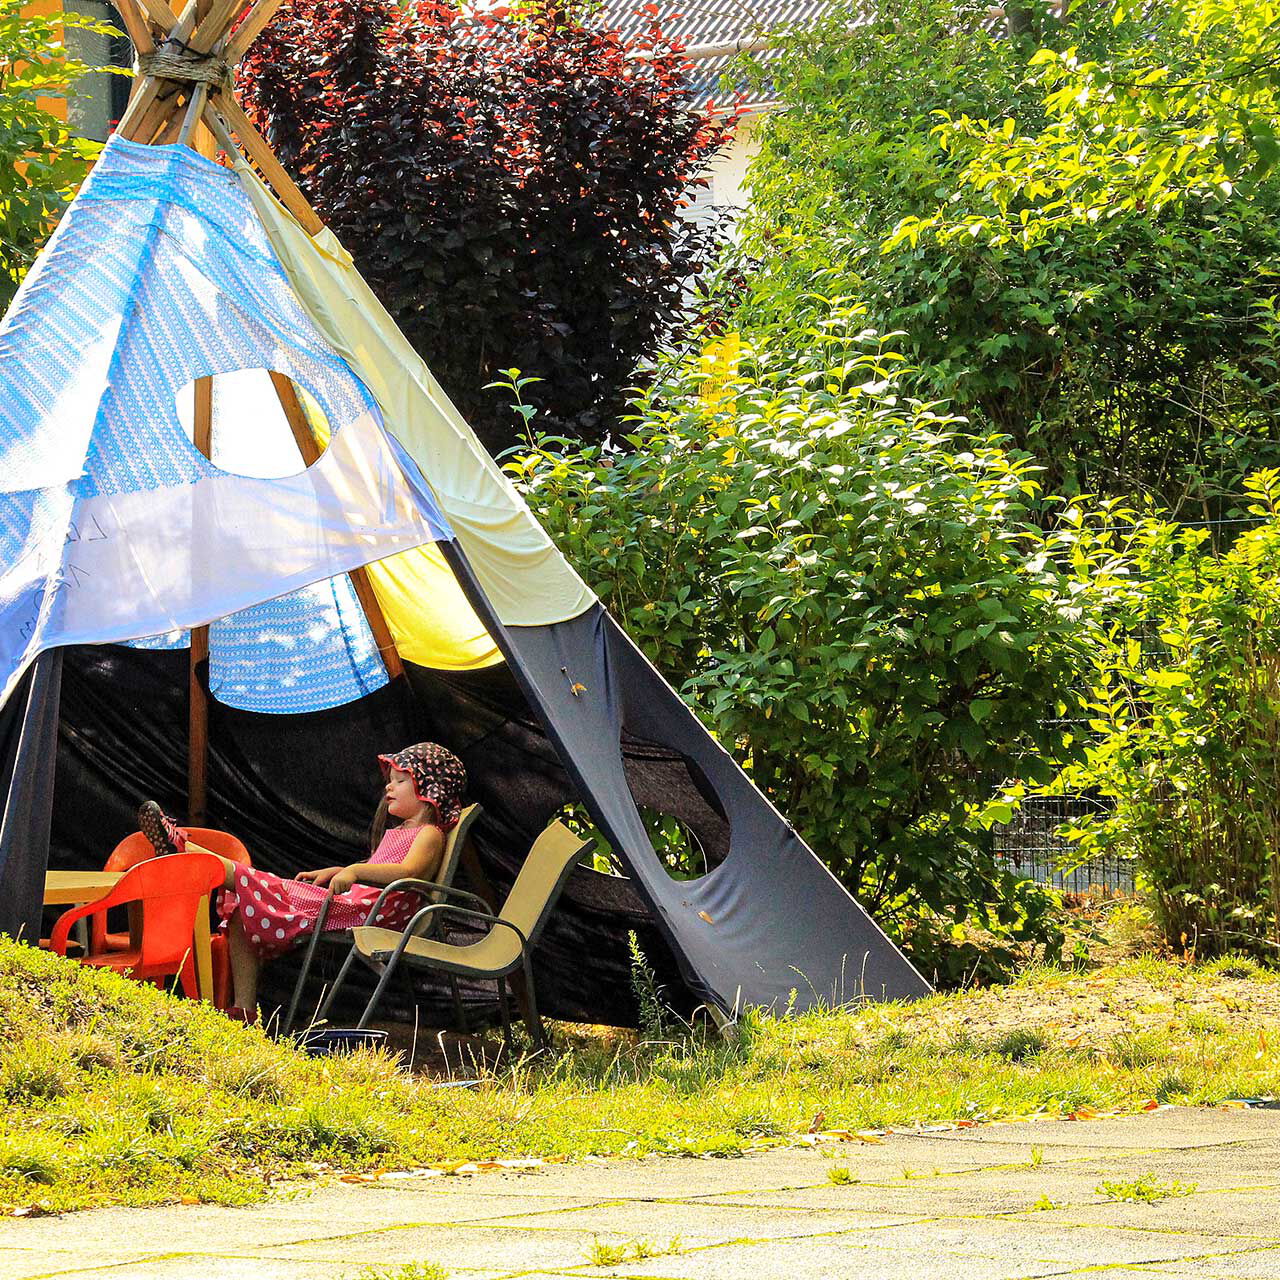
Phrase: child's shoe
x=165 y=835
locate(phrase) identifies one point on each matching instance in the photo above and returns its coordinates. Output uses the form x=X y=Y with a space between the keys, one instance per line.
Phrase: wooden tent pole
x=308 y=446
x=165 y=18
x=250 y=29
x=259 y=151
x=136 y=26
x=198 y=654
x=198 y=694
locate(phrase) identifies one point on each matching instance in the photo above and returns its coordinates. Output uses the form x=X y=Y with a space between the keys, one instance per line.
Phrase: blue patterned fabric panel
x=165 y=275
x=303 y=652
x=306 y=651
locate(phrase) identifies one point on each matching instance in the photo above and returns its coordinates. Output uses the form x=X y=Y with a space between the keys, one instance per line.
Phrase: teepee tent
x=244 y=531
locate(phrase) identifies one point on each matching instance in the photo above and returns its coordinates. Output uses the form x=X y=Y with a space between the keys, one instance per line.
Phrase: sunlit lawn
x=111 y=1091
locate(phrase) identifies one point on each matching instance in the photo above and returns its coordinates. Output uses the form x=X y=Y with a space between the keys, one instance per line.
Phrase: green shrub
x=1129 y=352
x=41 y=161
x=853 y=596
x=1185 y=718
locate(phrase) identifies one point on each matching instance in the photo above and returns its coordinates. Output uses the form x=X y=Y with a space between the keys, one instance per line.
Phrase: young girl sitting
x=265 y=915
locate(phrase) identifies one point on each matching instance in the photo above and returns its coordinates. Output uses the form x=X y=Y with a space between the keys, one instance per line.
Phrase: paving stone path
x=955 y=1206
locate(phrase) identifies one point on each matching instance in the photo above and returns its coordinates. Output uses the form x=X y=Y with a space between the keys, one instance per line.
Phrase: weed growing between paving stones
x=1147 y=1189
x=407 y=1271
x=601 y=1254
x=112 y=1092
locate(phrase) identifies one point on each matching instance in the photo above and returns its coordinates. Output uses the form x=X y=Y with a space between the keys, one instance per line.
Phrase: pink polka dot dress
x=277 y=913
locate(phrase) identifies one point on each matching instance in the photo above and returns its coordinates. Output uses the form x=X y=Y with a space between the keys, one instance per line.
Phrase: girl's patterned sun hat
x=439 y=777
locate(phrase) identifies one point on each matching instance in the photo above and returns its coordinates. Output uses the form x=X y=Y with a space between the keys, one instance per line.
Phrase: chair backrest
x=136 y=848
x=132 y=850
x=222 y=843
x=170 y=890
x=552 y=859
x=454 y=843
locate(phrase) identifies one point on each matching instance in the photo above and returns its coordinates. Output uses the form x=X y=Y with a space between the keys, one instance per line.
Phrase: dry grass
x=111 y=1092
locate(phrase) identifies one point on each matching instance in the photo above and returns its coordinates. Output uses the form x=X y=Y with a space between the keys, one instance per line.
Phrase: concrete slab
x=826 y=1260
x=1245 y=1215
x=1255 y=1264
x=697 y=1222
x=473 y=1245
x=1032 y=1242
x=192 y=1266
x=925 y=1206
x=20 y=1264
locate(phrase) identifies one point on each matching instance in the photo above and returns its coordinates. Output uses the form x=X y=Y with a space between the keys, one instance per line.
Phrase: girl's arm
x=321 y=877
x=420 y=863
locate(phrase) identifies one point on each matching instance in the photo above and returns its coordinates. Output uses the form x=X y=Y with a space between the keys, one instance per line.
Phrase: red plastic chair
x=124 y=857
x=169 y=891
x=137 y=848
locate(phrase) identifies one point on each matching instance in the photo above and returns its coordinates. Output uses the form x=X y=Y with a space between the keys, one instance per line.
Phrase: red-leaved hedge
x=509 y=182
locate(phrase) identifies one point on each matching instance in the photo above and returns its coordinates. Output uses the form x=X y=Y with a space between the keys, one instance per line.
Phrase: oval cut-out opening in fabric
x=689 y=835
x=252 y=435
x=685 y=821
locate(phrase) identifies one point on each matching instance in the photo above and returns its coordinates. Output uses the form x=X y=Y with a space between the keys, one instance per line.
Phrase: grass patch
x=113 y=1092
x=602 y=1254
x=1147 y=1189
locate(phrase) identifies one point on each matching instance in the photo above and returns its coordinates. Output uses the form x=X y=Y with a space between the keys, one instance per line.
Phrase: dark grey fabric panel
x=28 y=751
x=769 y=926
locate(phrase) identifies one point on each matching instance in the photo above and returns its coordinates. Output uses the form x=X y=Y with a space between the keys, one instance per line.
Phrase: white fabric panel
x=143 y=563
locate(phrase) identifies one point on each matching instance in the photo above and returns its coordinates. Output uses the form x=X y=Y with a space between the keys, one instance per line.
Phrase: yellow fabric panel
x=430 y=619
x=427 y=614
x=524 y=577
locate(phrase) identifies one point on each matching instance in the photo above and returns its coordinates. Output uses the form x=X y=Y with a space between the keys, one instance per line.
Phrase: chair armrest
x=62 y=926
x=426 y=888
x=484 y=917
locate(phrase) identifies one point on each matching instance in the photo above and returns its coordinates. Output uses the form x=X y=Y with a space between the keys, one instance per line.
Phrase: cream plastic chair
x=506 y=947
x=430 y=890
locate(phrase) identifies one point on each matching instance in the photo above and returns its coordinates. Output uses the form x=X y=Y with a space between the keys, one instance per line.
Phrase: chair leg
x=505 y=1014
x=535 y=1022
x=459 y=1010
x=323 y=1011
x=301 y=982
x=387 y=974
x=187 y=977
x=322 y=918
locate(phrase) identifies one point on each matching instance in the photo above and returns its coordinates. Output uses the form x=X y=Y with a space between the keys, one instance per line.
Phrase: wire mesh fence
x=1031 y=847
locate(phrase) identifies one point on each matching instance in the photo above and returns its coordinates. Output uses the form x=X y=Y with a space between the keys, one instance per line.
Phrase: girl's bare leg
x=228 y=867
x=245 y=966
